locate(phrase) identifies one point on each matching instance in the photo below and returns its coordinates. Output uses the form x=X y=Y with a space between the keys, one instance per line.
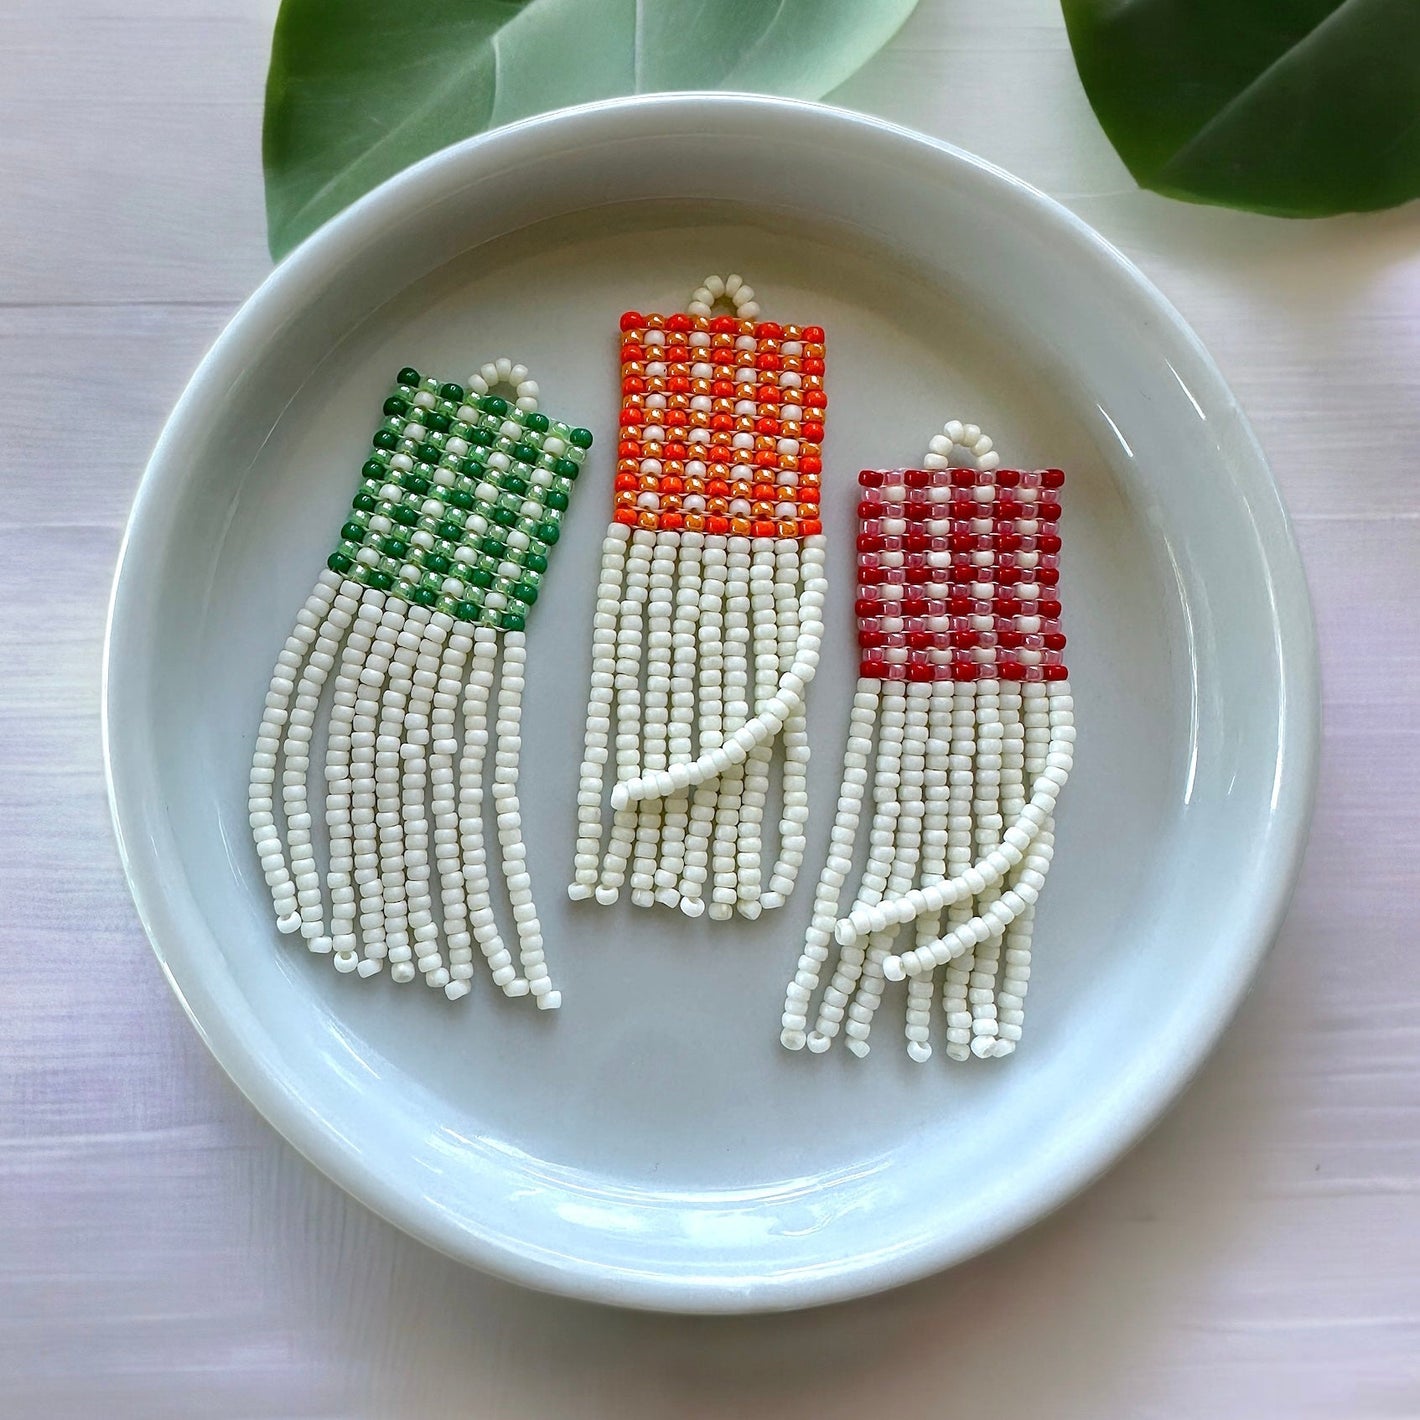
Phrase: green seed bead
x=485 y=438
x=449 y=529
x=515 y=484
x=352 y=532
x=381 y=581
x=452 y=392
x=467 y=610
x=565 y=468
x=557 y=500
x=408 y=376
x=386 y=439
x=394 y=546
x=549 y=531
x=374 y=468
x=415 y=483
x=504 y=517
x=437 y=562
x=493 y=404
x=535 y=562
x=425 y=596
x=536 y=422
x=480 y=577
x=405 y=515
x=491 y=546
x=514 y=621
x=460 y=498
x=582 y=438
x=365 y=502
x=339 y=562
x=395 y=405
x=525 y=592
x=438 y=421
x=428 y=453
x=524 y=453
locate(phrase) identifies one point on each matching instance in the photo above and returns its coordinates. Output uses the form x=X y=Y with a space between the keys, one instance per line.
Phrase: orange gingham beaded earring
x=709 y=615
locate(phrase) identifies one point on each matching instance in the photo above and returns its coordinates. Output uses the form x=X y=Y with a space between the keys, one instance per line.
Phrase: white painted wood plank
x=163 y=1254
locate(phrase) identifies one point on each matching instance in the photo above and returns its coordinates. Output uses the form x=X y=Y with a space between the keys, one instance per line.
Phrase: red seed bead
x=810 y=527
x=1056 y=673
x=870 y=542
x=866 y=606
x=1010 y=670
x=815 y=399
x=1054 y=641
x=1008 y=477
x=1047 y=576
x=1049 y=511
x=807 y=493
x=1048 y=542
x=632 y=418
x=678 y=322
x=1052 y=477
x=724 y=325
x=813 y=335
x=632 y=320
x=871 y=478
x=625 y=481
x=963 y=477
x=672 y=521
x=812 y=431
x=625 y=516
x=811 y=463
x=717 y=524
x=768 y=330
x=1048 y=607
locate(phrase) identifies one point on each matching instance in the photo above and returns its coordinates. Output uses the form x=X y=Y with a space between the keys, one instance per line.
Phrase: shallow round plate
x=652 y=1144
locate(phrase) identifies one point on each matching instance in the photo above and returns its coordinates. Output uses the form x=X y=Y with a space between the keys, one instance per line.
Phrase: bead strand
x=982 y=993
x=389 y=816
x=655 y=724
x=629 y=654
x=1015 y=980
x=369 y=800
x=908 y=795
x=887 y=782
x=340 y=833
x=764 y=633
x=962 y=780
x=443 y=751
x=587 y=861
x=842 y=840
x=477 y=883
x=260 y=788
x=936 y=802
x=724 y=863
x=414 y=788
x=512 y=850
x=295 y=775
x=680 y=731
x=346 y=789
x=794 y=813
x=988 y=823
x=710 y=668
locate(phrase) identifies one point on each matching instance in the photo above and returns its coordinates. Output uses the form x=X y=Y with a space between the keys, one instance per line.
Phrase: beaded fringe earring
x=439 y=562
x=709 y=612
x=963 y=686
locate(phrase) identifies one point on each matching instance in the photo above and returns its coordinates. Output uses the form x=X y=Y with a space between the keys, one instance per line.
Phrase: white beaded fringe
x=395 y=766
x=702 y=649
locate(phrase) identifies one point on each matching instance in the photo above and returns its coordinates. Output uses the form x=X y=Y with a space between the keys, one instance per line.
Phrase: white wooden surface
x=164 y=1254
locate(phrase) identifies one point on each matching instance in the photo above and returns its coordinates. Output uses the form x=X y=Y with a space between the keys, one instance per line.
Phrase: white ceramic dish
x=651 y=1144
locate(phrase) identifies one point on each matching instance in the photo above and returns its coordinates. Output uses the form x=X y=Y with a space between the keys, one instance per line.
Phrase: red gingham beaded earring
x=711 y=595
x=438 y=565
x=963 y=685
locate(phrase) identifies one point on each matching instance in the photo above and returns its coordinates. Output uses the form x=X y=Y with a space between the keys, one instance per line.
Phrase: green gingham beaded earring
x=439 y=563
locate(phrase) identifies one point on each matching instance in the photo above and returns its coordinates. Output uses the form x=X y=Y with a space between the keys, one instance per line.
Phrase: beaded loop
x=513 y=374
x=732 y=288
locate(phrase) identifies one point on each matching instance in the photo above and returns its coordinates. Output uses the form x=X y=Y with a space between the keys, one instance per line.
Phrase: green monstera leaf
x=359 y=89
x=1300 y=108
